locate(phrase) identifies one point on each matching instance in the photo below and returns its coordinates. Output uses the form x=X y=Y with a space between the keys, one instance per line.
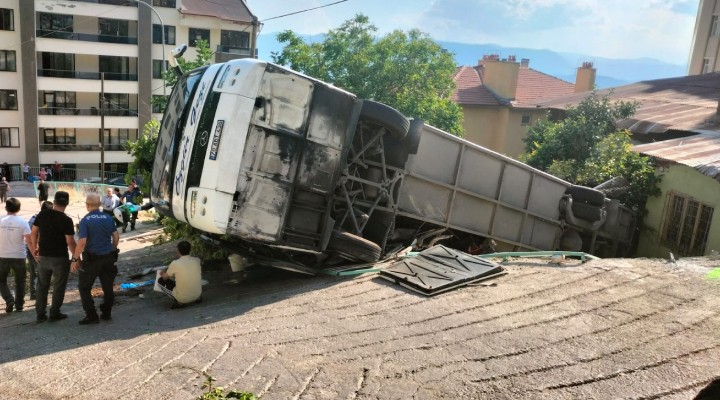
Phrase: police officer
x=98 y=245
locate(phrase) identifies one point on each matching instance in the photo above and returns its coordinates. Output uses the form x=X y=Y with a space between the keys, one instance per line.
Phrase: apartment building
x=705 y=49
x=53 y=54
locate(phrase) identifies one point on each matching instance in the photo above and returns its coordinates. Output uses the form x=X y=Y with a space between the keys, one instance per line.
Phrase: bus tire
x=353 y=247
x=587 y=212
x=582 y=194
x=391 y=119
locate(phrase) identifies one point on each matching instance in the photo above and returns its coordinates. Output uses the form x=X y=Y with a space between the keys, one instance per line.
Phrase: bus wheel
x=391 y=119
x=353 y=247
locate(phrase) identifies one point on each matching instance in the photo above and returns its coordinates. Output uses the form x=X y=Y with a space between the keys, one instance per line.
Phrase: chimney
x=525 y=63
x=585 y=78
x=500 y=76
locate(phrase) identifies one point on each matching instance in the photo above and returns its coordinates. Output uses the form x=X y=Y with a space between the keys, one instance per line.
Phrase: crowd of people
x=48 y=247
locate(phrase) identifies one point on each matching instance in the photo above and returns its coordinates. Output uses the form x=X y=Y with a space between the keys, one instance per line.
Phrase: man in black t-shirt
x=51 y=236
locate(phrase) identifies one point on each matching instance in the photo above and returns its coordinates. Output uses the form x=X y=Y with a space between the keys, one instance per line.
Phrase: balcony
x=111 y=2
x=109 y=76
x=93 y=111
x=86 y=37
x=80 y=147
x=226 y=53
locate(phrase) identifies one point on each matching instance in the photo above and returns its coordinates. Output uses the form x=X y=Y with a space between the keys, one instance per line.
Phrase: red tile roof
x=532 y=86
x=228 y=10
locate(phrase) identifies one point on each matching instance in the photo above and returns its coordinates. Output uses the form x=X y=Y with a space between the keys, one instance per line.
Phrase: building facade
x=705 y=49
x=58 y=56
x=499 y=100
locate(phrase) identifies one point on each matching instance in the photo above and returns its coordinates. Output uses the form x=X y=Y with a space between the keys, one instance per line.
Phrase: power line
x=305 y=10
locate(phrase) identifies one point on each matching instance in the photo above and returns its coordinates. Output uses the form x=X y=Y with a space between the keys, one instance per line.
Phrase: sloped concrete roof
x=227 y=10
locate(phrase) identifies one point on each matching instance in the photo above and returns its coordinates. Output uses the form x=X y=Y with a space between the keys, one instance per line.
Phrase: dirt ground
x=612 y=328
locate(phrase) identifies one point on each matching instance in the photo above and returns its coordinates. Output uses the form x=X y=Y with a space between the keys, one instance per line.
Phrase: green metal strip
x=581 y=255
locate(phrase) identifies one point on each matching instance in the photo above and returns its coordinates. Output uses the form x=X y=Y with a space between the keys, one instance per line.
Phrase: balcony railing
x=86 y=37
x=85 y=111
x=111 y=2
x=110 y=76
x=80 y=147
x=245 y=51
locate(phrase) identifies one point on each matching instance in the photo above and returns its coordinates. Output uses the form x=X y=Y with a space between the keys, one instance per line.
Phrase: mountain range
x=611 y=72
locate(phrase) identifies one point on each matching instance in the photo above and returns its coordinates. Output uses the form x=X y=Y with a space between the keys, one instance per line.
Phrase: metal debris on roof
x=439 y=269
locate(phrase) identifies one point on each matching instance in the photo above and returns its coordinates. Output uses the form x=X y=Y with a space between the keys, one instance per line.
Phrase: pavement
x=615 y=328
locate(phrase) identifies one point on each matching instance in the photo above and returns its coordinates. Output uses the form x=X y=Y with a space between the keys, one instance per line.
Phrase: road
x=614 y=328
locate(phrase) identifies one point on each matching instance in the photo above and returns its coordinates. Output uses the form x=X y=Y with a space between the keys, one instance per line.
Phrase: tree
x=586 y=148
x=406 y=70
x=202 y=57
x=143 y=153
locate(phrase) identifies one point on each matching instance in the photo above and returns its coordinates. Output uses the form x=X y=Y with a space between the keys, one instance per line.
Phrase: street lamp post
x=162 y=38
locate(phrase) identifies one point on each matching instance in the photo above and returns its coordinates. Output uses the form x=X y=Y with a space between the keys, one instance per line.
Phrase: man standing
x=14 y=232
x=4 y=189
x=98 y=245
x=31 y=262
x=132 y=196
x=56 y=169
x=51 y=236
x=26 y=171
x=42 y=189
x=182 y=280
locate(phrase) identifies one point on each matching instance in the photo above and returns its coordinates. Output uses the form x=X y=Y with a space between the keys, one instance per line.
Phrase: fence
x=14 y=173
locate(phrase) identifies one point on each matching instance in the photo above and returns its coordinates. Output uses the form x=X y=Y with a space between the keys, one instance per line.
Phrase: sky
x=660 y=29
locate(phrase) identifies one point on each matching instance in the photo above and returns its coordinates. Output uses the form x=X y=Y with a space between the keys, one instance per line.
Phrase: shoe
x=198 y=301
x=19 y=309
x=57 y=317
x=9 y=308
x=132 y=228
x=177 y=305
x=106 y=316
x=89 y=320
x=41 y=318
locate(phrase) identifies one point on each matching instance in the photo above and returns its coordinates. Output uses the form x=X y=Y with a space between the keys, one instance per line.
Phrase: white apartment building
x=52 y=54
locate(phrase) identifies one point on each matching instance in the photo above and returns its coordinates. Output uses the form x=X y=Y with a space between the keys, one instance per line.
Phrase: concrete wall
x=688 y=182
x=499 y=128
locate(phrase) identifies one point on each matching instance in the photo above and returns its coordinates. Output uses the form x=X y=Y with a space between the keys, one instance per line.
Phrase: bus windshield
x=171 y=129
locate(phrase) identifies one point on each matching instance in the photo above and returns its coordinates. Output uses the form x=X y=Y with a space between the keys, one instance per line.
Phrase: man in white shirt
x=182 y=280
x=14 y=233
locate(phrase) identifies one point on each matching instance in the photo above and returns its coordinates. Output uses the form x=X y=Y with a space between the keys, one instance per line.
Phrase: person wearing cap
x=14 y=232
x=98 y=246
x=51 y=236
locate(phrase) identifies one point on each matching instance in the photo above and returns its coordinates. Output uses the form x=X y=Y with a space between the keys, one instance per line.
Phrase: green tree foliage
x=587 y=149
x=143 y=153
x=202 y=57
x=406 y=70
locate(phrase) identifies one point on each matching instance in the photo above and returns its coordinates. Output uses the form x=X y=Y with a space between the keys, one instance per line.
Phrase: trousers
x=94 y=267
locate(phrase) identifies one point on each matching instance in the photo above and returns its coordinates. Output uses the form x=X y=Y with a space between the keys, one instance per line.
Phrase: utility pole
x=102 y=127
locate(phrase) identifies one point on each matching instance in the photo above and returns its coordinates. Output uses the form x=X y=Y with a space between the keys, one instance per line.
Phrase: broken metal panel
x=283 y=102
x=439 y=269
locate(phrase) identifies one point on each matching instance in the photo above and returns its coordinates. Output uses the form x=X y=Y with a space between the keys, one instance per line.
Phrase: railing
x=111 y=2
x=86 y=37
x=61 y=73
x=245 y=51
x=80 y=147
x=92 y=111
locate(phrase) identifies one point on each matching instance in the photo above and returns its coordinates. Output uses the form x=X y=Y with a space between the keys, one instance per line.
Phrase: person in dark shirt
x=51 y=236
x=42 y=189
x=132 y=196
x=98 y=245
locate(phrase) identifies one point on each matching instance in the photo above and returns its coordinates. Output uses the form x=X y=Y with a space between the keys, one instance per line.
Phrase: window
x=714 y=31
x=158 y=68
x=7 y=60
x=707 y=66
x=8 y=99
x=116 y=68
x=169 y=34
x=198 y=34
x=158 y=103
x=9 y=137
x=235 y=39
x=686 y=226
x=525 y=120
x=59 y=135
x=56 y=103
x=58 y=62
x=115 y=139
x=164 y=3
x=56 y=22
x=113 y=27
x=6 y=19
x=116 y=104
